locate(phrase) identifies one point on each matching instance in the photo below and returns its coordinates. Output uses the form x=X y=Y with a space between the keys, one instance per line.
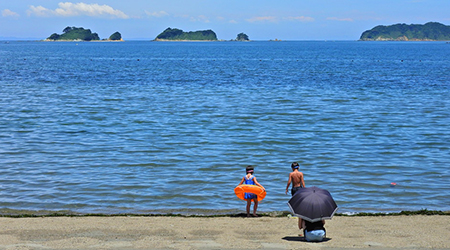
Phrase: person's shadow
x=302 y=239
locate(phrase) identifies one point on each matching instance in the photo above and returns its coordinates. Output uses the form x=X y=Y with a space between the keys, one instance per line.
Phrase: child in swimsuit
x=250 y=179
x=297 y=180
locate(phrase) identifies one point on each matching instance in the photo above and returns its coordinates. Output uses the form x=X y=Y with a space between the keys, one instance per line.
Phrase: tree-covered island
x=179 y=35
x=431 y=31
x=242 y=37
x=116 y=36
x=81 y=34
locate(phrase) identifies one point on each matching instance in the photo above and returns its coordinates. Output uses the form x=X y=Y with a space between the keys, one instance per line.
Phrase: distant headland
x=179 y=35
x=431 y=31
x=81 y=34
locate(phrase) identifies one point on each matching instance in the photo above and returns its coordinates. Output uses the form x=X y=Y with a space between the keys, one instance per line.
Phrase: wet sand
x=387 y=232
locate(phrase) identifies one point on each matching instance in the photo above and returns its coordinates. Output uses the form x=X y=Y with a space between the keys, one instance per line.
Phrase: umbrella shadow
x=302 y=239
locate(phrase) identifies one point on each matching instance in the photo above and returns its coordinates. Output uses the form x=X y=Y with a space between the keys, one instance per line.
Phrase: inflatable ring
x=242 y=189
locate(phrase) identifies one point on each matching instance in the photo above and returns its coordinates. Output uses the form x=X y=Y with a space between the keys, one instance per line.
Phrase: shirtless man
x=296 y=177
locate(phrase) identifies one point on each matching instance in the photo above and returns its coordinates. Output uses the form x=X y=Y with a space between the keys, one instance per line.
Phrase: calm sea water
x=155 y=127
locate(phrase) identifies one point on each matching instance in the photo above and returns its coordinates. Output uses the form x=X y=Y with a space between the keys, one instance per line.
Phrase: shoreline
x=11 y=213
x=159 y=232
x=79 y=40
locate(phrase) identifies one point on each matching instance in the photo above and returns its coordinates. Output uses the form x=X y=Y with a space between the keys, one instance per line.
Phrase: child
x=296 y=177
x=250 y=179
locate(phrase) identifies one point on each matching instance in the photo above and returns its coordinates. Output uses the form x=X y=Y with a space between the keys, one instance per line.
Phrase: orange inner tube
x=242 y=189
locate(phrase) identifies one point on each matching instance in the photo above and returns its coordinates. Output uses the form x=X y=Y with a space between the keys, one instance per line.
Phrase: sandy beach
x=387 y=232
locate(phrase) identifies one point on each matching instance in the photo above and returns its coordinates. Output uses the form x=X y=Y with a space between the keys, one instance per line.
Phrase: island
x=81 y=34
x=242 y=37
x=179 y=35
x=116 y=36
x=432 y=31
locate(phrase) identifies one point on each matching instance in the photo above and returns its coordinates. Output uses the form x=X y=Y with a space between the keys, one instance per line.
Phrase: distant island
x=116 y=36
x=242 y=37
x=81 y=34
x=431 y=31
x=179 y=35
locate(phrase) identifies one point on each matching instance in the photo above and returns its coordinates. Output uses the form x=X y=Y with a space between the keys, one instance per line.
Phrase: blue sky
x=260 y=20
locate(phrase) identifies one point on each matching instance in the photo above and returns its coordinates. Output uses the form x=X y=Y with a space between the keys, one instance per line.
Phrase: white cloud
x=39 y=11
x=300 y=18
x=340 y=19
x=80 y=9
x=157 y=13
x=262 y=19
x=68 y=9
x=200 y=18
x=9 y=13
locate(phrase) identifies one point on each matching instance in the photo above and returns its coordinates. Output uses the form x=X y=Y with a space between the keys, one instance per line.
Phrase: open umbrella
x=313 y=204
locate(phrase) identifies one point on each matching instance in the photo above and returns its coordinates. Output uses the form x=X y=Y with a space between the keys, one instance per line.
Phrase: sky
x=259 y=19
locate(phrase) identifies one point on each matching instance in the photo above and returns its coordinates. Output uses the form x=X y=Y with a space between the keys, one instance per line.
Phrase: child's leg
x=249 y=203
x=255 y=206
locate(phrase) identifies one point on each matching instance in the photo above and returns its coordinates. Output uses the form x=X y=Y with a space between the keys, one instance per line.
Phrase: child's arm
x=303 y=181
x=242 y=181
x=289 y=183
x=257 y=183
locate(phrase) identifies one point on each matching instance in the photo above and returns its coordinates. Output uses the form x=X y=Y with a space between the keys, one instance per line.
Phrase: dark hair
x=295 y=165
x=249 y=168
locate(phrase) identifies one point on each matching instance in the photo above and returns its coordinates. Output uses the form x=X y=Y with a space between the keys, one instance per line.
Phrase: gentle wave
x=140 y=127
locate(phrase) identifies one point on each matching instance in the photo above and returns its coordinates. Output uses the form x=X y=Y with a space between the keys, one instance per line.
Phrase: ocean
x=169 y=127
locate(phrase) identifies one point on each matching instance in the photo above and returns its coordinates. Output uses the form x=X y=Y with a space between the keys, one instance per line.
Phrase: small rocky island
x=81 y=34
x=242 y=37
x=116 y=36
x=179 y=35
x=431 y=31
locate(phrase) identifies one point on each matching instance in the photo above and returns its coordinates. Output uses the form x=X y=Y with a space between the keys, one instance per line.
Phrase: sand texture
x=387 y=232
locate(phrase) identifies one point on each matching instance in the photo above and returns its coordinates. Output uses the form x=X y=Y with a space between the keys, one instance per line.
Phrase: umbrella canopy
x=313 y=204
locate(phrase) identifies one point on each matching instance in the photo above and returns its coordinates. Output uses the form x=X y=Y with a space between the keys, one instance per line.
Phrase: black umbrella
x=312 y=204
